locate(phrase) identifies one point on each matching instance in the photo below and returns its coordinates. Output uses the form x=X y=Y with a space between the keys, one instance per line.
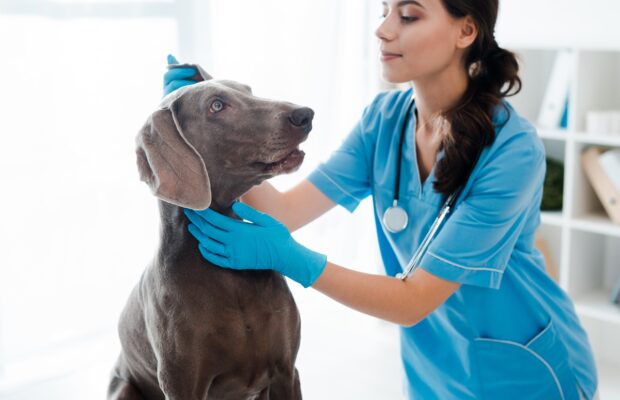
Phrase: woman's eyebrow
x=405 y=2
x=414 y=2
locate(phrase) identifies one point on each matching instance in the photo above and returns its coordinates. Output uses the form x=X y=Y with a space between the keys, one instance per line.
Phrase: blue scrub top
x=509 y=331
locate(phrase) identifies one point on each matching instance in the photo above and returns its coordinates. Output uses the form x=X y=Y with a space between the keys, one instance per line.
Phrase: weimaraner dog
x=192 y=330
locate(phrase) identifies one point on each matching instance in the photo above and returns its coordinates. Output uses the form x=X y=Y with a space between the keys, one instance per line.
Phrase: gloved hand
x=262 y=243
x=175 y=78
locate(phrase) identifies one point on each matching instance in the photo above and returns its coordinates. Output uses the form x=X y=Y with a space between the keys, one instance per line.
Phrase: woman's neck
x=438 y=93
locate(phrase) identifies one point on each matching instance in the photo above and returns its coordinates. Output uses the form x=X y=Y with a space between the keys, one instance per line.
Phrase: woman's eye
x=217 y=106
x=405 y=18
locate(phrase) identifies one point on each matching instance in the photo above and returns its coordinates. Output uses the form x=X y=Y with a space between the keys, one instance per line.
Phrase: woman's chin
x=394 y=79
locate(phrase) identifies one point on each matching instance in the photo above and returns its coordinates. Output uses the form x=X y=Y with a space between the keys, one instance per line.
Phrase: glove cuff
x=310 y=268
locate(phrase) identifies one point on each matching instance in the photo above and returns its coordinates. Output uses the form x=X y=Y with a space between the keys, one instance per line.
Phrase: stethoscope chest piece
x=395 y=218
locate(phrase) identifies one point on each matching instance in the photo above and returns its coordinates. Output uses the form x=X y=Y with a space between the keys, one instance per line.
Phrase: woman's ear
x=468 y=32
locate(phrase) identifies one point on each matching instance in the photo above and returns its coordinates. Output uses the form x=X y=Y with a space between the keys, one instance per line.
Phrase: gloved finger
x=216 y=219
x=206 y=227
x=248 y=213
x=174 y=85
x=172 y=59
x=214 y=258
x=178 y=73
x=213 y=245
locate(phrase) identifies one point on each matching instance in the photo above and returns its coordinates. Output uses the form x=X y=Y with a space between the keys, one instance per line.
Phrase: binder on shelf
x=555 y=100
x=610 y=161
x=564 y=119
x=602 y=183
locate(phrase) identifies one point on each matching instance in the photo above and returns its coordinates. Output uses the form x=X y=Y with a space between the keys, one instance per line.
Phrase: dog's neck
x=175 y=241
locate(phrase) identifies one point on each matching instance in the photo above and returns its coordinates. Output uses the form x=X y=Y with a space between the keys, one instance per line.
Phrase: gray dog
x=191 y=330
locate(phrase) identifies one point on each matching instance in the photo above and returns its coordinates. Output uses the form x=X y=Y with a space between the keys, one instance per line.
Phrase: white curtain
x=78 y=79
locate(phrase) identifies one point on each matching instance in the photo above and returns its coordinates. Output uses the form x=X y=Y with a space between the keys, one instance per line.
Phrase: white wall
x=555 y=23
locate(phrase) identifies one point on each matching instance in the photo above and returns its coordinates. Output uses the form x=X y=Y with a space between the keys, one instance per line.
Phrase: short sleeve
x=476 y=242
x=346 y=176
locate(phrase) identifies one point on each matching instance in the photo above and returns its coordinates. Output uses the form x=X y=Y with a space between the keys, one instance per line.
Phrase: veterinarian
x=480 y=318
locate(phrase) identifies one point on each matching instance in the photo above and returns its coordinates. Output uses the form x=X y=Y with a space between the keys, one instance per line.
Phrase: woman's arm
x=294 y=208
x=265 y=243
x=402 y=302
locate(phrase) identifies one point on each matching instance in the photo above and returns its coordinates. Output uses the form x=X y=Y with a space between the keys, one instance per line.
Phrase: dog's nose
x=301 y=117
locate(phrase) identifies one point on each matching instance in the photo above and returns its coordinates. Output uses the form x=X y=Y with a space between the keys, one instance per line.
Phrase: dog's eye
x=216 y=106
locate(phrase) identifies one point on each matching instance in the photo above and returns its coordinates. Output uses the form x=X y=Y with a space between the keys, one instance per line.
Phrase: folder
x=602 y=183
x=554 y=104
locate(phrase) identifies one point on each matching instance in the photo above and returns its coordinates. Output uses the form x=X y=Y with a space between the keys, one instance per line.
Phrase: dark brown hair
x=493 y=75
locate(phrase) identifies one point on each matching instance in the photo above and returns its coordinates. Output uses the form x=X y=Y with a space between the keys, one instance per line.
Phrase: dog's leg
x=296 y=386
x=181 y=375
x=123 y=390
x=286 y=387
x=120 y=388
x=264 y=395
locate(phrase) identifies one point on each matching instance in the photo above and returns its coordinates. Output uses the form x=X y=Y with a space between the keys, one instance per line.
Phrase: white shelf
x=553 y=134
x=609 y=381
x=600 y=140
x=596 y=223
x=598 y=305
x=552 y=218
x=579 y=137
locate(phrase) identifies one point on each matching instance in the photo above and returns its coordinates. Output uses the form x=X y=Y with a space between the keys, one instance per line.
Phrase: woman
x=480 y=318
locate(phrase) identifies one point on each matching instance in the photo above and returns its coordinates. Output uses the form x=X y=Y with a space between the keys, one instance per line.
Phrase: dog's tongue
x=288 y=163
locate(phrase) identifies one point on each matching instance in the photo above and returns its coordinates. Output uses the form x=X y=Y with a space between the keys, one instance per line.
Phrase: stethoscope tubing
x=413 y=263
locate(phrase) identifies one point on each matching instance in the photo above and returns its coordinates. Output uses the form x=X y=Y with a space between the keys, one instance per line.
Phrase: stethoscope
x=395 y=217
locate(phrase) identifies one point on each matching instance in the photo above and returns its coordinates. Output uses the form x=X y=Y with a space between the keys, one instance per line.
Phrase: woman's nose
x=384 y=31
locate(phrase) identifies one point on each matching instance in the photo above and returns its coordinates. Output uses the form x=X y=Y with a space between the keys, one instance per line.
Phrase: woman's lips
x=385 y=56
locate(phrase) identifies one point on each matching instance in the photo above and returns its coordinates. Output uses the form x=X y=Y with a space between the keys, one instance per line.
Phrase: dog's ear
x=199 y=76
x=169 y=164
x=203 y=74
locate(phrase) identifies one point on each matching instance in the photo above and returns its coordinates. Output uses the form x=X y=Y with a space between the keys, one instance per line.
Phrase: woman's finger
x=211 y=244
x=174 y=85
x=214 y=258
x=248 y=213
x=216 y=219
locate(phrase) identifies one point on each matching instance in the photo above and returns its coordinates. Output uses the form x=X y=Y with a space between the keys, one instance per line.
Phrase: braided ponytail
x=493 y=75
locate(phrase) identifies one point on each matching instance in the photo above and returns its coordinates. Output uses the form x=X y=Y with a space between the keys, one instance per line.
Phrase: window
x=77 y=227
x=79 y=81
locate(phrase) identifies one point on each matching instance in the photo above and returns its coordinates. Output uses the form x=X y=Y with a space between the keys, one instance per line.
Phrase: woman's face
x=418 y=39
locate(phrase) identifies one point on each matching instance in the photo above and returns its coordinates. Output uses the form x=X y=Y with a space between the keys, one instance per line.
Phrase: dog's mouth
x=286 y=164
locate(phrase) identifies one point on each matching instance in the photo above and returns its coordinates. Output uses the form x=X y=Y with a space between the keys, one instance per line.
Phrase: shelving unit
x=583 y=242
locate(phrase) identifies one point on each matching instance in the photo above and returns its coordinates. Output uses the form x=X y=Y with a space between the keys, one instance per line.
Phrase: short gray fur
x=192 y=330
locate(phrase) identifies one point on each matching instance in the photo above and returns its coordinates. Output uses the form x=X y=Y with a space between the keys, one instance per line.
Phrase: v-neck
x=416 y=166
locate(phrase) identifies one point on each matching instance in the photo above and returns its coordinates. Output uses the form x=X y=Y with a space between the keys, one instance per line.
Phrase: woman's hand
x=175 y=78
x=261 y=243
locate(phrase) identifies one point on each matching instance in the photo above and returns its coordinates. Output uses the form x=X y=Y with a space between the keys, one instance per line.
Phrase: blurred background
x=77 y=227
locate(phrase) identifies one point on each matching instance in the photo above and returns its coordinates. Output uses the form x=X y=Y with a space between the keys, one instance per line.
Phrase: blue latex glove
x=175 y=78
x=261 y=243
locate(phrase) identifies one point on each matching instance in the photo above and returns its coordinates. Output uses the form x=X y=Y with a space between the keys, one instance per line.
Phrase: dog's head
x=216 y=136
